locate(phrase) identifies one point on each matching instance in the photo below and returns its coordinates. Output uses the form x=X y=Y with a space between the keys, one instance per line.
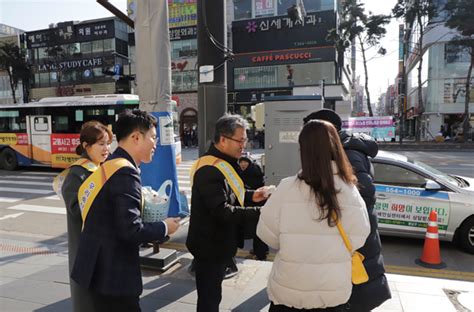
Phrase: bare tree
x=12 y=60
x=419 y=12
x=367 y=29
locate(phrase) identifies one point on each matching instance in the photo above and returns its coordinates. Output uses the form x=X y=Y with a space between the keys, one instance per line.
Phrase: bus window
x=10 y=121
x=40 y=124
x=79 y=115
x=60 y=124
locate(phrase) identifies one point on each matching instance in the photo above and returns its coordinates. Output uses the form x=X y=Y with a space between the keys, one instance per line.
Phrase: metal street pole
x=212 y=87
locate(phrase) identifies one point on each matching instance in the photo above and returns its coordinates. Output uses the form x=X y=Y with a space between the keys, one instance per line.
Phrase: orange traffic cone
x=431 y=257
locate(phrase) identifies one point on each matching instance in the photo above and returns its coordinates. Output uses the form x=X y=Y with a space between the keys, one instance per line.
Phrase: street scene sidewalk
x=34 y=277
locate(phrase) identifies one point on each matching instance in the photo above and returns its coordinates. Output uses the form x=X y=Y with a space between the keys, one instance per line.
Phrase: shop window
x=97 y=46
x=309 y=5
x=86 y=47
x=109 y=45
x=286 y=75
x=242 y=9
x=42 y=54
x=264 y=8
x=44 y=79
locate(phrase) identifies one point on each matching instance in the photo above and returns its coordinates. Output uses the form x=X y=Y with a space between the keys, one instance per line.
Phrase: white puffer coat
x=312 y=268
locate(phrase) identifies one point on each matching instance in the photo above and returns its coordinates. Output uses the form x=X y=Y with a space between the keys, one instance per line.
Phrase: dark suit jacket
x=216 y=217
x=107 y=259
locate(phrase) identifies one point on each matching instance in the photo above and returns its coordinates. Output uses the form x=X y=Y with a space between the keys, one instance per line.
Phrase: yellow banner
x=59 y=179
x=231 y=176
x=63 y=160
x=94 y=183
x=8 y=138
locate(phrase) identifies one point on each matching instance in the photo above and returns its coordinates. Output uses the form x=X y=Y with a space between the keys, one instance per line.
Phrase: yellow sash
x=94 y=183
x=60 y=178
x=231 y=176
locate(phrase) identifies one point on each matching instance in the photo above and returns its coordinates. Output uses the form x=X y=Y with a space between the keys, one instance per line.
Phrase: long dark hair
x=91 y=132
x=319 y=146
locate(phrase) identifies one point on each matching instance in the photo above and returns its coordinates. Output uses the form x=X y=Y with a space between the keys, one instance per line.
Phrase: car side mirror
x=431 y=185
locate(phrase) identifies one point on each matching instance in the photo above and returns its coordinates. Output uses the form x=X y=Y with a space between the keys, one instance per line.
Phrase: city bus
x=46 y=133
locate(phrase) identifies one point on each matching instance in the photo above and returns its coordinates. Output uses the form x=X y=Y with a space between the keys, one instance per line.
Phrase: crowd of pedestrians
x=300 y=218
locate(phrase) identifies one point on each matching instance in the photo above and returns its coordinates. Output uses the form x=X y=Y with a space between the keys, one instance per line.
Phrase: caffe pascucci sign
x=93 y=62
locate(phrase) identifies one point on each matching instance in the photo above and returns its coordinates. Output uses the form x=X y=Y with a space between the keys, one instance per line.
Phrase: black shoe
x=230 y=272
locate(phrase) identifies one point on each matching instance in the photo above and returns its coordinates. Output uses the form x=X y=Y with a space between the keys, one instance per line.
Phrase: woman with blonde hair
x=93 y=149
x=312 y=268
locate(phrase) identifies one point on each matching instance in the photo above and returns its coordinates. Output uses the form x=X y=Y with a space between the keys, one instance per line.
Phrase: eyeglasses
x=242 y=142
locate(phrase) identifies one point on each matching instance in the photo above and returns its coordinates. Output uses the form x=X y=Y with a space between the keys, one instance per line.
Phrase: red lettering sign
x=64 y=143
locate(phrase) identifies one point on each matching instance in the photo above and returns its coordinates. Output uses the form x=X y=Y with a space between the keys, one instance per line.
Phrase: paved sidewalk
x=33 y=277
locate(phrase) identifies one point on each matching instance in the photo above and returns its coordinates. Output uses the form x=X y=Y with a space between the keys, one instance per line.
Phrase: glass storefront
x=287 y=75
x=448 y=67
x=184 y=81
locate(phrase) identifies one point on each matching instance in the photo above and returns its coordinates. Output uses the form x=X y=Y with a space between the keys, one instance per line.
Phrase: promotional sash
x=94 y=183
x=231 y=176
x=60 y=178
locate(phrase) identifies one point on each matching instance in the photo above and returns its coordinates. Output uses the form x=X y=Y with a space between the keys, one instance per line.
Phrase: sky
x=38 y=14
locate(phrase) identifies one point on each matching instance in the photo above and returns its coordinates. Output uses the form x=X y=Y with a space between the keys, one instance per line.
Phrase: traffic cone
x=431 y=256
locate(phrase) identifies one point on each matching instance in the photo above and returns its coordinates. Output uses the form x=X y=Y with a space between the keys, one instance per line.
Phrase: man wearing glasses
x=218 y=209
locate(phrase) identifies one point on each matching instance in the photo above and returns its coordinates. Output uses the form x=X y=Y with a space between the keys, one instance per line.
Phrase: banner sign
x=380 y=127
x=182 y=13
x=280 y=32
x=13 y=139
x=63 y=149
x=414 y=213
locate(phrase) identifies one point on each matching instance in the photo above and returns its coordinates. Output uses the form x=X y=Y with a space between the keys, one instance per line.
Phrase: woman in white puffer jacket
x=312 y=268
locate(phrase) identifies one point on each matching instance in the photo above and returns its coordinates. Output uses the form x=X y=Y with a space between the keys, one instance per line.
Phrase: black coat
x=367 y=296
x=216 y=220
x=253 y=176
x=81 y=299
x=107 y=260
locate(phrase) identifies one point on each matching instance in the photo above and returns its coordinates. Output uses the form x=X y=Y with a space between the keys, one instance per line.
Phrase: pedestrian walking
x=312 y=269
x=358 y=148
x=218 y=209
x=93 y=149
x=107 y=262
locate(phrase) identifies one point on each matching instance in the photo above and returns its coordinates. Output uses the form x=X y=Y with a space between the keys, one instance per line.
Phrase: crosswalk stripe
x=27 y=177
x=24 y=190
x=52 y=197
x=50 y=174
x=26 y=182
x=9 y=199
x=35 y=208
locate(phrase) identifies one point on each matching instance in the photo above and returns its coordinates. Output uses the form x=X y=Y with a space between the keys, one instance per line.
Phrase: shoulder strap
x=60 y=178
x=231 y=176
x=94 y=183
x=343 y=234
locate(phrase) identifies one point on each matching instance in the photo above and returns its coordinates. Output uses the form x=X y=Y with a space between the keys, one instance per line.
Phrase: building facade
x=443 y=77
x=275 y=55
x=11 y=35
x=79 y=58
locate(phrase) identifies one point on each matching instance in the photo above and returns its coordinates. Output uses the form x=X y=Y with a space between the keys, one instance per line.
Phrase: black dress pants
x=104 y=303
x=209 y=277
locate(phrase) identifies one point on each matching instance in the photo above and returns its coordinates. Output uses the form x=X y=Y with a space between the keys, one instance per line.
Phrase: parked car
x=407 y=191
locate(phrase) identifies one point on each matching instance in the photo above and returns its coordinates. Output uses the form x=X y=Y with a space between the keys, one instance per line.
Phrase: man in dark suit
x=218 y=210
x=107 y=262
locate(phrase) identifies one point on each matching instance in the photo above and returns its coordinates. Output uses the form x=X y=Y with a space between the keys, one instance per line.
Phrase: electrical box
x=283 y=122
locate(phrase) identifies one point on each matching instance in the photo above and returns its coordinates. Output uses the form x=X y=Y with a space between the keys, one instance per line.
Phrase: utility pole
x=212 y=87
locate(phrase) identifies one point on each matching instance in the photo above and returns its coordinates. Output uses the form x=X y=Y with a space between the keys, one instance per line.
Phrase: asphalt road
x=29 y=210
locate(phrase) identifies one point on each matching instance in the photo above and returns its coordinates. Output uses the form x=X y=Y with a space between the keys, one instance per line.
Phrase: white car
x=408 y=190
